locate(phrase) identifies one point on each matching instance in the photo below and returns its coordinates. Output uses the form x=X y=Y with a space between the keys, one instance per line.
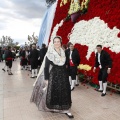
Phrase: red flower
x=107 y=10
x=118 y=35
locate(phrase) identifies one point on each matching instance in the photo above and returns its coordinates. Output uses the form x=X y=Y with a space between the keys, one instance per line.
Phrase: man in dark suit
x=68 y=47
x=104 y=62
x=42 y=52
x=72 y=61
x=34 y=61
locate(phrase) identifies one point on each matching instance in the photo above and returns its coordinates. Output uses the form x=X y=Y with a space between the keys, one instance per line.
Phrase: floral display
x=100 y=25
x=95 y=31
x=84 y=67
x=76 y=9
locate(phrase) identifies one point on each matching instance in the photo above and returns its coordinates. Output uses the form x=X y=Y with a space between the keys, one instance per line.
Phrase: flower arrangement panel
x=101 y=24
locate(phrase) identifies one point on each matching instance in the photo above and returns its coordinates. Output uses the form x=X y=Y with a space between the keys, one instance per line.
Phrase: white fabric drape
x=47 y=25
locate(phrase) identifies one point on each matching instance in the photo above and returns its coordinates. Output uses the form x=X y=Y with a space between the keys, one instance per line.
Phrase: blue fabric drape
x=46 y=25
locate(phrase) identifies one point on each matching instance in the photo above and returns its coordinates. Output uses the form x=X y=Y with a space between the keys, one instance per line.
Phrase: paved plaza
x=15 y=93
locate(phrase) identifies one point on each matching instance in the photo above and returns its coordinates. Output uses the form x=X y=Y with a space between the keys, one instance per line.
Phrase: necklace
x=59 y=53
x=61 y=58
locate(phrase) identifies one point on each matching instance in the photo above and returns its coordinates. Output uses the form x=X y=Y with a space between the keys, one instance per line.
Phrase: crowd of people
x=58 y=72
x=57 y=77
x=31 y=58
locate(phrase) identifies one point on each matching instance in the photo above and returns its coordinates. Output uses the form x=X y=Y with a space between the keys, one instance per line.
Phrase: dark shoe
x=10 y=74
x=70 y=116
x=99 y=90
x=3 y=69
x=103 y=94
x=77 y=85
x=32 y=77
x=52 y=111
x=72 y=89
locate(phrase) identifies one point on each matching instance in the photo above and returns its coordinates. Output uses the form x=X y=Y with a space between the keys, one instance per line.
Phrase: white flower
x=91 y=33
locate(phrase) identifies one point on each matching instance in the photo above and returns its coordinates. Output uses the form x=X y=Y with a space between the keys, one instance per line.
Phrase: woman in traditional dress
x=52 y=89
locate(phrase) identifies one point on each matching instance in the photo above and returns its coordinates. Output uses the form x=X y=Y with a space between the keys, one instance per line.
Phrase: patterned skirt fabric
x=57 y=96
x=39 y=94
x=58 y=92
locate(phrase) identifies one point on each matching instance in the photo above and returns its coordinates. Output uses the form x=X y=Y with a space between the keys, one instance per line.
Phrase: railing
x=114 y=86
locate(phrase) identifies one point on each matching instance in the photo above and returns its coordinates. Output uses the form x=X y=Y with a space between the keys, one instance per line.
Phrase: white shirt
x=99 y=58
x=71 y=55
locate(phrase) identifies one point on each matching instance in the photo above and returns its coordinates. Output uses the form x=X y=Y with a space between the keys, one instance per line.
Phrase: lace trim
x=57 y=59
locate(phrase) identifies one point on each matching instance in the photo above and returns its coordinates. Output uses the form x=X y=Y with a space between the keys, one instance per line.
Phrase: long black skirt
x=58 y=92
x=23 y=61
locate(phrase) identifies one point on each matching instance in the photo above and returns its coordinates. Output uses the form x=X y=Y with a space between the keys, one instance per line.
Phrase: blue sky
x=20 y=18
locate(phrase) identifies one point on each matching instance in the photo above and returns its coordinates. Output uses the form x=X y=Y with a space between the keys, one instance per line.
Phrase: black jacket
x=34 y=55
x=105 y=60
x=23 y=54
x=75 y=57
x=8 y=54
x=42 y=53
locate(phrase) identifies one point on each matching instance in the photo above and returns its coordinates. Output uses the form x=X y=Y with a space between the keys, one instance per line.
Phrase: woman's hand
x=46 y=82
x=109 y=71
x=94 y=69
